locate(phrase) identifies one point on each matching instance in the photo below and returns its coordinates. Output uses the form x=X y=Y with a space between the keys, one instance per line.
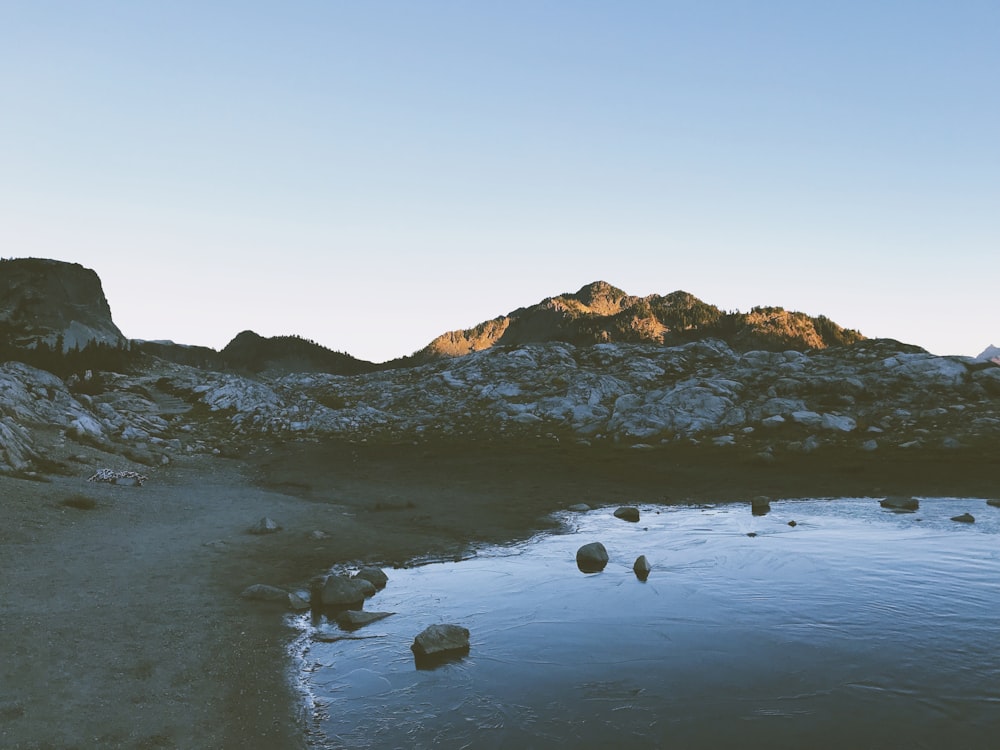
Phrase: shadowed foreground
x=123 y=625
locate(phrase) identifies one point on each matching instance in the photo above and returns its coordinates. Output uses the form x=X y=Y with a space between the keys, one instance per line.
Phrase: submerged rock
x=641 y=568
x=628 y=513
x=898 y=502
x=579 y=508
x=352 y=619
x=375 y=576
x=441 y=639
x=265 y=526
x=592 y=558
x=964 y=518
x=995 y=502
x=760 y=505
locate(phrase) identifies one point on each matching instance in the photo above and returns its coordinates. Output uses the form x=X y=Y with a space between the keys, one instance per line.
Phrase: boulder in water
x=628 y=513
x=900 y=502
x=341 y=590
x=592 y=558
x=641 y=568
x=964 y=518
x=441 y=639
x=376 y=576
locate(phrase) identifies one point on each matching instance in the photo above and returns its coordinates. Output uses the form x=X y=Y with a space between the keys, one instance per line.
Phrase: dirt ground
x=122 y=625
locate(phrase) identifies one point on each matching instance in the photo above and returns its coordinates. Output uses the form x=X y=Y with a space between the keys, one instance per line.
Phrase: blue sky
x=372 y=174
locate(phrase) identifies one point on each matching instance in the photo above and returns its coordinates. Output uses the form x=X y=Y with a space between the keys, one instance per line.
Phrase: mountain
x=602 y=313
x=254 y=353
x=52 y=303
x=992 y=353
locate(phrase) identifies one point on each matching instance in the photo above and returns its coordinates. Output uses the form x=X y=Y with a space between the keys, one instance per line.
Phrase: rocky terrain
x=868 y=394
x=874 y=395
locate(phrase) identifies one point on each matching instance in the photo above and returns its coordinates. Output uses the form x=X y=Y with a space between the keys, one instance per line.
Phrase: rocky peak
x=991 y=353
x=601 y=313
x=601 y=298
x=50 y=301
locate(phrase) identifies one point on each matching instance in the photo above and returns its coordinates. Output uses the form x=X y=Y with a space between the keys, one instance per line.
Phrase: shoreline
x=125 y=627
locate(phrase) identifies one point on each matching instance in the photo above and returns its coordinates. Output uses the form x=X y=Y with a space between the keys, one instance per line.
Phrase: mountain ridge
x=50 y=304
x=602 y=313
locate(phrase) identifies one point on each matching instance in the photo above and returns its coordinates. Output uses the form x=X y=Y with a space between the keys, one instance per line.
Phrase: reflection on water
x=857 y=627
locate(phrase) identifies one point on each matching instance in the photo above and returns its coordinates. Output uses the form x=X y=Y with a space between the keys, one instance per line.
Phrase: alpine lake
x=822 y=623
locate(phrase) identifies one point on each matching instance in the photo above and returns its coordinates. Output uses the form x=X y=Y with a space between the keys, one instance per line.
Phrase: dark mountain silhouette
x=55 y=304
x=600 y=312
x=254 y=353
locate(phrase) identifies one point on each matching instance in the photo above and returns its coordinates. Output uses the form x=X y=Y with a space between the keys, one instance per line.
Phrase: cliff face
x=50 y=301
x=602 y=313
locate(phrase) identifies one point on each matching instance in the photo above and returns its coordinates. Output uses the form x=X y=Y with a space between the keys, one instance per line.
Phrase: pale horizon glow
x=371 y=175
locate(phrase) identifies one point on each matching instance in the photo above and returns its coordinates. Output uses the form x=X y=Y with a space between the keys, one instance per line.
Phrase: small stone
x=760 y=505
x=641 y=568
x=752 y=534
x=628 y=513
x=265 y=526
x=793 y=524
x=964 y=518
x=579 y=508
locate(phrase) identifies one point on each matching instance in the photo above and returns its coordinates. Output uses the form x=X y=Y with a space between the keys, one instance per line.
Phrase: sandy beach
x=122 y=621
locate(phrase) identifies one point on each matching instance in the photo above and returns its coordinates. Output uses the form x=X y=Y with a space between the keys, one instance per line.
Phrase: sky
x=372 y=174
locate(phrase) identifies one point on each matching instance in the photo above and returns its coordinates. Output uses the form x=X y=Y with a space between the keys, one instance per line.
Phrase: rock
x=774 y=421
x=579 y=508
x=869 y=445
x=760 y=505
x=441 y=639
x=341 y=590
x=897 y=502
x=793 y=524
x=263 y=593
x=352 y=619
x=995 y=502
x=752 y=534
x=592 y=558
x=298 y=601
x=265 y=526
x=318 y=536
x=950 y=443
x=641 y=568
x=964 y=518
x=807 y=418
x=628 y=513
x=838 y=423
x=376 y=576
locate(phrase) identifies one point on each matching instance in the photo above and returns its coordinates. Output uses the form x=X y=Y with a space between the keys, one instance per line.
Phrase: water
x=858 y=628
